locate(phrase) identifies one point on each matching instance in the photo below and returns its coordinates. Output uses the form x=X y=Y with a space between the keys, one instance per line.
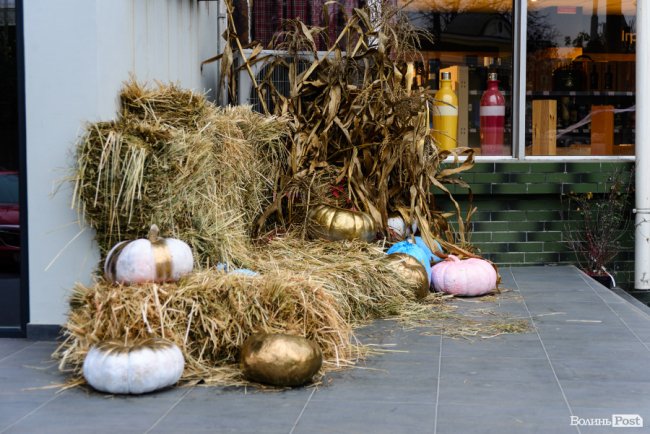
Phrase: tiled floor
x=587 y=356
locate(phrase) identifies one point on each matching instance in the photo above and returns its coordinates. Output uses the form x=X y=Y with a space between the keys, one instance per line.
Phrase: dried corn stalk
x=360 y=134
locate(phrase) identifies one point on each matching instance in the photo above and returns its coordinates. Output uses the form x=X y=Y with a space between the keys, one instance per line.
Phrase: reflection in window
x=580 y=79
x=471 y=39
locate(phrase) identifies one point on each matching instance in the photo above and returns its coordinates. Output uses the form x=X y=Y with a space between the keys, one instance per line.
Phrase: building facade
x=566 y=70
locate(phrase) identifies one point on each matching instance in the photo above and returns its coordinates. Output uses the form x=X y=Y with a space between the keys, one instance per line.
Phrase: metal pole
x=642 y=203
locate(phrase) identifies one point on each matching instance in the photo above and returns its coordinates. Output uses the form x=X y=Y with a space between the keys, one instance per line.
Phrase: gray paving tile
x=483 y=369
x=208 y=409
x=470 y=418
x=599 y=317
x=514 y=308
x=510 y=303
x=10 y=346
x=18 y=377
x=594 y=349
x=610 y=297
x=599 y=370
x=544 y=275
x=524 y=345
x=595 y=306
x=631 y=314
x=394 y=382
x=624 y=396
x=393 y=334
x=396 y=357
x=367 y=417
x=391 y=342
x=36 y=352
x=15 y=406
x=582 y=331
x=498 y=392
x=83 y=411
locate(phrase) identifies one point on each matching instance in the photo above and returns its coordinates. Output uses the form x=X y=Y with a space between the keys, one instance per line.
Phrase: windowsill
x=555 y=158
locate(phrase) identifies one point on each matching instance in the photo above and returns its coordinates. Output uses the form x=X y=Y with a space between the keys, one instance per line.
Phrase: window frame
x=520 y=18
x=519 y=101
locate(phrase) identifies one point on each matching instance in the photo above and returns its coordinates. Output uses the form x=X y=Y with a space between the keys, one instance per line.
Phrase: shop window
x=473 y=40
x=580 y=80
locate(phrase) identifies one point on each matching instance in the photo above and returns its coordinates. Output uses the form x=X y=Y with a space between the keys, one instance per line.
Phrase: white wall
x=77 y=55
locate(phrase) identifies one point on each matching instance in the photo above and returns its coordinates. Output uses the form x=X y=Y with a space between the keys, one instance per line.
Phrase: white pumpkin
x=397 y=228
x=143 y=367
x=154 y=259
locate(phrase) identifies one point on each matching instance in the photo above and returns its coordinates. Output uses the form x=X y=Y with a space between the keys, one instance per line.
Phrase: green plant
x=595 y=223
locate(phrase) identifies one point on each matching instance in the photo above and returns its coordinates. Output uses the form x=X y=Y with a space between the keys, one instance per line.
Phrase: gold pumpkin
x=413 y=270
x=336 y=224
x=280 y=359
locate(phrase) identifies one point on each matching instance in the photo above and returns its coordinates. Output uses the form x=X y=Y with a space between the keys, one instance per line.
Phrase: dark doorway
x=13 y=307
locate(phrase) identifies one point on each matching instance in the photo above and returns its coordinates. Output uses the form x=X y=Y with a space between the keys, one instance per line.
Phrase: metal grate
x=279 y=76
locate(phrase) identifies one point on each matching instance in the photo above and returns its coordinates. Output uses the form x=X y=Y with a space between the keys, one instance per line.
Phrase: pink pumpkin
x=468 y=277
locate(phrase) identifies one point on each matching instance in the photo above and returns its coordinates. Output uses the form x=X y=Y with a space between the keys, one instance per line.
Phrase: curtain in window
x=259 y=20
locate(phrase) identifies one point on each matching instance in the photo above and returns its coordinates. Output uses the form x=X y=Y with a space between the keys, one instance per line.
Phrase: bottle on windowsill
x=445 y=115
x=493 y=113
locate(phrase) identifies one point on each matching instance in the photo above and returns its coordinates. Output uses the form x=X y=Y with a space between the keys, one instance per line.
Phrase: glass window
x=473 y=41
x=580 y=80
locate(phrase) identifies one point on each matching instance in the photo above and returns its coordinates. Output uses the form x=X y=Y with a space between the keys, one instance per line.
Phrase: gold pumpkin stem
x=153 y=234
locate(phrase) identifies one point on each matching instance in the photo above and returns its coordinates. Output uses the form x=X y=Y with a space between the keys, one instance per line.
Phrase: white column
x=642 y=204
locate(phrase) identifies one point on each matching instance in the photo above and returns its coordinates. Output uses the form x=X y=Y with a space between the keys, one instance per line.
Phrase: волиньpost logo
x=616 y=421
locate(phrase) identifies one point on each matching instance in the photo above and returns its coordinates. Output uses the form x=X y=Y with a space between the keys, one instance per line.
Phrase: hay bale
x=201 y=173
x=208 y=315
x=354 y=272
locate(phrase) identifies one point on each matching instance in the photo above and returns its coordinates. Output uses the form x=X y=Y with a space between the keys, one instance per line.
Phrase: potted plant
x=595 y=224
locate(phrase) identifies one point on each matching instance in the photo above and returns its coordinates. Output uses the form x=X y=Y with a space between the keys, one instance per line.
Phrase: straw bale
x=356 y=273
x=208 y=315
x=200 y=172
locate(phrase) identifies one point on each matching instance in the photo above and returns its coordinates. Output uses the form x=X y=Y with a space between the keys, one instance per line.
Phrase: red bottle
x=493 y=114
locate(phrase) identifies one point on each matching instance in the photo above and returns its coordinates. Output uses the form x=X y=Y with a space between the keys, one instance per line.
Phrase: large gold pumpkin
x=336 y=224
x=280 y=359
x=413 y=270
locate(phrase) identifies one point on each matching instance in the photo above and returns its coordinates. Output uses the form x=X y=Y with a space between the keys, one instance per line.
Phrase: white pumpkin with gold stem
x=154 y=259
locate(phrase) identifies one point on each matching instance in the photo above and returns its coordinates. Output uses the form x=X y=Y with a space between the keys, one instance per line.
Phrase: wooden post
x=544 y=126
x=602 y=130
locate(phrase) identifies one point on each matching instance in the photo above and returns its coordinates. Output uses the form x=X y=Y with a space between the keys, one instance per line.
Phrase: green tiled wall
x=519 y=218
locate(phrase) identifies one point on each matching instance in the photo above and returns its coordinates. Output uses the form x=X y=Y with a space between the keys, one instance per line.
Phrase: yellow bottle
x=445 y=115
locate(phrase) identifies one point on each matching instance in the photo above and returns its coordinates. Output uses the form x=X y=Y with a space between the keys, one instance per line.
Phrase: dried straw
x=201 y=173
x=209 y=315
x=207 y=175
x=355 y=273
